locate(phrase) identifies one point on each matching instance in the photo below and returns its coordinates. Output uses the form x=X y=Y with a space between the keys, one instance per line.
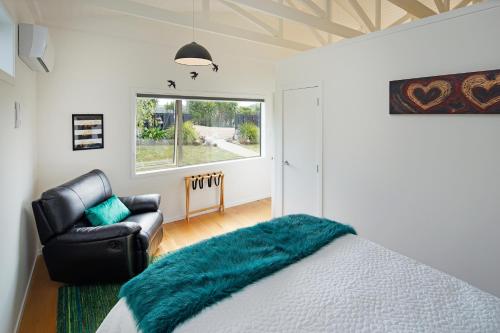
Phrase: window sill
x=183 y=169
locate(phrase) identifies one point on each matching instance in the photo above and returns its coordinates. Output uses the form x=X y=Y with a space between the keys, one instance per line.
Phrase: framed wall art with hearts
x=466 y=93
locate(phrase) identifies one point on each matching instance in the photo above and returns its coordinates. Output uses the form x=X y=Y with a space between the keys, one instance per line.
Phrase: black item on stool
x=217 y=180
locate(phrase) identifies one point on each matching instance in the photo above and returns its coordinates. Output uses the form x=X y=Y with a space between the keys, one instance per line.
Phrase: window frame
x=6 y=76
x=201 y=95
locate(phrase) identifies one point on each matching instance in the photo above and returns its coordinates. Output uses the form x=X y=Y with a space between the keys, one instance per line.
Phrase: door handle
x=286 y=163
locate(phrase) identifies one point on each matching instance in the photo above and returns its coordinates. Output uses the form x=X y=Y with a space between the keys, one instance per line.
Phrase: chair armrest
x=91 y=234
x=142 y=203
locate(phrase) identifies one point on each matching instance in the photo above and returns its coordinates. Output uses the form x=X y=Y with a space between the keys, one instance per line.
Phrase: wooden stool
x=189 y=180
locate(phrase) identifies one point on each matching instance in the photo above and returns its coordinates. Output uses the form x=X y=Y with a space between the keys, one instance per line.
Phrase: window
x=7 y=44
x=176 y=131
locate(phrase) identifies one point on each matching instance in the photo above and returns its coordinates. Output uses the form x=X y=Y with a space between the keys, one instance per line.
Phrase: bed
x=349 y=285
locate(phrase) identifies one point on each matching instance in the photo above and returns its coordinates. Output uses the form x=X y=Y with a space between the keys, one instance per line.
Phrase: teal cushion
x=107 y=212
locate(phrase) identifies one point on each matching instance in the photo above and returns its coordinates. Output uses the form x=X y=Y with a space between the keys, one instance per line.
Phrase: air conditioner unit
x=35 y=48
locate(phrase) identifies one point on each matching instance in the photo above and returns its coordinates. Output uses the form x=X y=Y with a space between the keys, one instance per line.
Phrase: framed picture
x=466 y=93
x=88 y=131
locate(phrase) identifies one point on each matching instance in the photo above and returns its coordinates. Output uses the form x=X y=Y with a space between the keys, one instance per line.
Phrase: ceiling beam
x=281 y=30
x=279 y=10
x=252 y=18
x=314 y=7
x=446 y=4
x=462 y=3
x=362 y=15
x=378 y=14
x=414 y=7
x=136 y=9
x=440 y=6
x=401 y=20
x=328 y=9
x=349 y=11
x=316 y=34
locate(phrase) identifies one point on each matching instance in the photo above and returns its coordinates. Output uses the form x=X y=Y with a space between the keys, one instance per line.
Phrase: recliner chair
x=77 y=252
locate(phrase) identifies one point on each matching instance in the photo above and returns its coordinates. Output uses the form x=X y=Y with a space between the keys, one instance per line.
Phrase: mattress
x=350 y=285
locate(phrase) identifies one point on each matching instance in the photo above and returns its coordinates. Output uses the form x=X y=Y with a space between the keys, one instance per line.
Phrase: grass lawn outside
x=154 y=157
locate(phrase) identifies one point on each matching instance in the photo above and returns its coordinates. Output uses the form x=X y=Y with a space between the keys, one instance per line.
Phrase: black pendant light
x=193 y=54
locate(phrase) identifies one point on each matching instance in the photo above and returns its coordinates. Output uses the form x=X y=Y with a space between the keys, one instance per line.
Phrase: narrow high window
x=7 y=44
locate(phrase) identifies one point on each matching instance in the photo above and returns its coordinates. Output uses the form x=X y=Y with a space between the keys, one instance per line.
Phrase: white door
x=302 y=150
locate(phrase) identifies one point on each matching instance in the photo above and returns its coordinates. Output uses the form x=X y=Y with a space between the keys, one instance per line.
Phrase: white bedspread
x=351 y=285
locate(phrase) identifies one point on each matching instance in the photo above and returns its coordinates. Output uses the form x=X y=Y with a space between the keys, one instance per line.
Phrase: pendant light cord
x=193 y=20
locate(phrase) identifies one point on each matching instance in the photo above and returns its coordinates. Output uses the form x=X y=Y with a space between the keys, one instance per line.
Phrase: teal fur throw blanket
x=183 y=283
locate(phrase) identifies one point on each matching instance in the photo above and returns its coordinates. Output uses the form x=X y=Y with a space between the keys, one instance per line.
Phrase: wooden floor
x=40 y=312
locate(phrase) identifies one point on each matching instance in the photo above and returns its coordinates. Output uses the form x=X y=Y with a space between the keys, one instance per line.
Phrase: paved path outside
x=235 y=149
x=215 y=132
x=218 y=135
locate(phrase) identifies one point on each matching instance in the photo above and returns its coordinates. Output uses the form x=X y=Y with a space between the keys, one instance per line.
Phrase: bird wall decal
x=215 y=67
x=171 y=84
x=194 y=75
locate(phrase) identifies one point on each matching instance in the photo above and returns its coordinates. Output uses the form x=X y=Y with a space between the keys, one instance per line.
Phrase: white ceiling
x=290 y=25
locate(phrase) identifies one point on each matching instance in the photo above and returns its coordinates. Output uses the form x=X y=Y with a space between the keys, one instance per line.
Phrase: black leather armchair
x=76 y=252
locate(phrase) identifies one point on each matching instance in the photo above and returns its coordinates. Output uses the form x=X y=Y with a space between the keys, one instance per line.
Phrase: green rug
x=83 y=308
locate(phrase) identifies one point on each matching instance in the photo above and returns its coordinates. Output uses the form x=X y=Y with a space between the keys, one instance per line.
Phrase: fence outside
x=168 y=120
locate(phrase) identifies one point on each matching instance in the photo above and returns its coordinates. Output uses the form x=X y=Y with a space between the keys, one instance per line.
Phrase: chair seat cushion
x=92 y=234
x=149 y=222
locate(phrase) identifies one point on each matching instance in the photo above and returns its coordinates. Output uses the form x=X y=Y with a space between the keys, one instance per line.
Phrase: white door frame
x=278 y=200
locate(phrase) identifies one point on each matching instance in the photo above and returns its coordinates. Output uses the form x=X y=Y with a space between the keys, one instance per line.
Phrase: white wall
x=17 y=183
x=426 y=186
x=95 y=73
